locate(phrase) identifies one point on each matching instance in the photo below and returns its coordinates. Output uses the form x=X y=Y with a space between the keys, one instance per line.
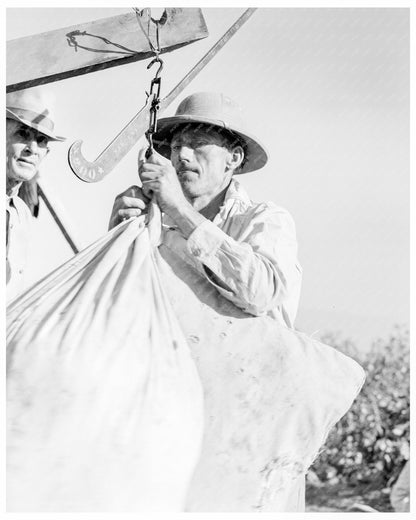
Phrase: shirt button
x=20 y=271
x=196 y=251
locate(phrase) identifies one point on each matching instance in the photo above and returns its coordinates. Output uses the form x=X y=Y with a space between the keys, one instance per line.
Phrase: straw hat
x=218 y=111
x=33 y=108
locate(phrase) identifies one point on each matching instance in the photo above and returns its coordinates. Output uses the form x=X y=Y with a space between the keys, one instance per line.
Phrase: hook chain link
x=155 y=84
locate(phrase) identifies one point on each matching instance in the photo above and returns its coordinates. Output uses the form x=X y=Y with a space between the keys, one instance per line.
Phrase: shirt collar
x=10 y=198
x=235 y=196
x=15 y=189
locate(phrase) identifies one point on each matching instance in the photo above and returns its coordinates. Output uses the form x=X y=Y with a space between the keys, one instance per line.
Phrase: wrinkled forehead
x=14 y=126
x=191 y=133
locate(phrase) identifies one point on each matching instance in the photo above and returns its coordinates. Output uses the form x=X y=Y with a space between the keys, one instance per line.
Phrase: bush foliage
x=370 y=444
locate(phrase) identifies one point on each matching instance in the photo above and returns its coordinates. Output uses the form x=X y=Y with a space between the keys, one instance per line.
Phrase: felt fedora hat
x=33 y=107
x=217 y=111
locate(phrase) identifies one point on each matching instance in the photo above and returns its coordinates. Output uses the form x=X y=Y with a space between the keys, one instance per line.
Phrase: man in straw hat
x=247 y=250
x=29 y=129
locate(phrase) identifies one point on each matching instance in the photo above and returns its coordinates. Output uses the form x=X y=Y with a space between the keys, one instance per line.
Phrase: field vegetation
x=366 y=450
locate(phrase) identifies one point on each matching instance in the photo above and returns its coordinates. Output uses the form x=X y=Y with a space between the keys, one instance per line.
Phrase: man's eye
x=42 y=141
x=23 y=134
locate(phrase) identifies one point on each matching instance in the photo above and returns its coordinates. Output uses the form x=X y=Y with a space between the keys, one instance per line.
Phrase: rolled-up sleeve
x=253 y=261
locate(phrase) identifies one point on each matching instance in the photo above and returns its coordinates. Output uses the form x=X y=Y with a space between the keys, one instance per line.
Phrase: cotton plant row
x=370 y=444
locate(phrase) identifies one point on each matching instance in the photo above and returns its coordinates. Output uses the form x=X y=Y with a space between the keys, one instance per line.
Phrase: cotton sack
x=271 y=394
x=104 y=403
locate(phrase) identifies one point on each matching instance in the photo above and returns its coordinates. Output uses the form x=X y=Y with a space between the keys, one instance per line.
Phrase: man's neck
x=12 y=187
x=209 y=207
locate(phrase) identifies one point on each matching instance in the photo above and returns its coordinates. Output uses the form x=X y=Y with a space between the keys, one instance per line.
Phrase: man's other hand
x=131 y=203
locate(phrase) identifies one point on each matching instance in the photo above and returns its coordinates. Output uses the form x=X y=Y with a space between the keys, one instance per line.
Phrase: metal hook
x=159 y=70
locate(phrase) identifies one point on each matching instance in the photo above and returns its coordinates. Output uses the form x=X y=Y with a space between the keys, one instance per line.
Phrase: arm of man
x=253 y=261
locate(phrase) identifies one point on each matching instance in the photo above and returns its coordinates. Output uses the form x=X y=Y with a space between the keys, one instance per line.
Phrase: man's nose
x=185 y=153
x=32 y=145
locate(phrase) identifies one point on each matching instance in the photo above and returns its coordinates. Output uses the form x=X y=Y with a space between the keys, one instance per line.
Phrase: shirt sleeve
x=256 y=268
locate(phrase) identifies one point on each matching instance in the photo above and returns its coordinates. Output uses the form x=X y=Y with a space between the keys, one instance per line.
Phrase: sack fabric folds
x=104 y=402
x=271 y=394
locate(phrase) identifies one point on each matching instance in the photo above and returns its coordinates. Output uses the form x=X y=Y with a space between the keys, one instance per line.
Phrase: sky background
x=325 y=90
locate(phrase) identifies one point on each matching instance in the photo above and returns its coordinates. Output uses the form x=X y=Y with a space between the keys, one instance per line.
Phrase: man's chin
x=189 y=187
x=24 y=173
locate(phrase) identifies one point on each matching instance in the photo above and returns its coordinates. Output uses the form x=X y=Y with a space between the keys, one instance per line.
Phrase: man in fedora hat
x=247 y=250
x=29 y=129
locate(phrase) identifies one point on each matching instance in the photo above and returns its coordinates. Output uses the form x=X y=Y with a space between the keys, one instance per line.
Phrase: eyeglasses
x=27 y=134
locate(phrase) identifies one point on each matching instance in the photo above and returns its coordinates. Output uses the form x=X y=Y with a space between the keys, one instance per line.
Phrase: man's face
x=201 y=157
x=25 y=149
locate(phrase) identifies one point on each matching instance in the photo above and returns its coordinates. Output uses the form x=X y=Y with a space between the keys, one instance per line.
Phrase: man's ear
x=236 y=157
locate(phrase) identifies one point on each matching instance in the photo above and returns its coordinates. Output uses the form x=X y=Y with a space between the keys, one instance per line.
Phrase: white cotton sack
x=104 y=403
x=271 y=394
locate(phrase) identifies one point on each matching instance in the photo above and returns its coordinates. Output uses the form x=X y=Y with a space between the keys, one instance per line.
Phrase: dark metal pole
x=57 y=220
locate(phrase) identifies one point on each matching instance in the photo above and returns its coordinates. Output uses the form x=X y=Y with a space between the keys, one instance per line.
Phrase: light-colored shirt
x=18 y=218
x=249 y=252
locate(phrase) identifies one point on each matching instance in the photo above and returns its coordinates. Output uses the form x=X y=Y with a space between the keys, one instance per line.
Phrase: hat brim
x=36 y=126
x=255 y=154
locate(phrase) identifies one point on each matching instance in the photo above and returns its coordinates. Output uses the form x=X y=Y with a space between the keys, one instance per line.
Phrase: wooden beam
x=97 y=45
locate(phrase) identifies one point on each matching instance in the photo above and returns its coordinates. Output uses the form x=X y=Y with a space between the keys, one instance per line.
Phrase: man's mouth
x=185 y=171
x=25 y=162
